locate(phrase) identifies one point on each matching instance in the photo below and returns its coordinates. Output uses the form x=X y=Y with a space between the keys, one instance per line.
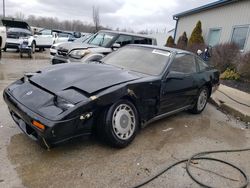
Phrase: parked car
x=55 y=47
x=44 y=38
x=3 y=37
x=17 y=31
x=47 y=37
x=99 y=45
x=115 y=97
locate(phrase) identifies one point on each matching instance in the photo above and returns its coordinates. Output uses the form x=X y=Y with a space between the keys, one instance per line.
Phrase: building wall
x=225 y=17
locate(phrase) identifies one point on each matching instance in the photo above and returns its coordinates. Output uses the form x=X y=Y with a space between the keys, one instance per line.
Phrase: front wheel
x=33 y=47
x=119 y=124
x=201 y=101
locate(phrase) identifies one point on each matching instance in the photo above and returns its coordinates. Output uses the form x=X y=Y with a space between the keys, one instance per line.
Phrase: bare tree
x=96 y=18
x=20 y=15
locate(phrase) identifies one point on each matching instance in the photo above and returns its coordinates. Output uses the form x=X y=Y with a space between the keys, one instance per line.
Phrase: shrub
x=170 y=42
x=244 y=66
x=229 y=74
x=182 y=41
x=225 y=56
x=196 y=36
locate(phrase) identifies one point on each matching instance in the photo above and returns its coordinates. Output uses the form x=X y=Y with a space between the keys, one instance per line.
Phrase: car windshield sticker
x=161 y=52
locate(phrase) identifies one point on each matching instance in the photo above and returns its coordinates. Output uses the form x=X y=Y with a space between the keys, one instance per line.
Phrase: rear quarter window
x=141 y=40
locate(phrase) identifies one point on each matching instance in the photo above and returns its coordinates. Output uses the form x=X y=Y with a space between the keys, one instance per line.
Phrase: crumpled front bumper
x=55 y=131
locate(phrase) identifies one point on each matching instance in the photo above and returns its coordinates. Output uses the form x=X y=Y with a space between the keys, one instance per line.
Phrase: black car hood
x=15 y=24
x=88 y=78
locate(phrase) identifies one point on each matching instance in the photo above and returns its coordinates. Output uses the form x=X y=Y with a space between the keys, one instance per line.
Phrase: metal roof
x=127 y=33
x=204 y=7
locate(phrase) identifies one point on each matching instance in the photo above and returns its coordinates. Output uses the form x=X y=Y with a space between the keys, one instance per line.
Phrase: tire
x=201 y=101
x=4 y=49
x=21 y=55
x=112 y=130
x=33 y=47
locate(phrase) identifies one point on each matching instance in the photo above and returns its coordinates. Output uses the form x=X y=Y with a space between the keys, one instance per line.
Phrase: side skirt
x=161 y=116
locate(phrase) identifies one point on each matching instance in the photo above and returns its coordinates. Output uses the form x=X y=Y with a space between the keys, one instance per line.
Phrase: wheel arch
x=209 y=86
x=133 y=101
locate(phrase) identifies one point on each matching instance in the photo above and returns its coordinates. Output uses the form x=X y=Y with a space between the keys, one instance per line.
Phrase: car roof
x=127 y=33
x=172 y=50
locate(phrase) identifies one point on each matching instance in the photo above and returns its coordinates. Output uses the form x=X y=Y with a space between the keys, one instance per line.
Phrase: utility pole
x=3 y=8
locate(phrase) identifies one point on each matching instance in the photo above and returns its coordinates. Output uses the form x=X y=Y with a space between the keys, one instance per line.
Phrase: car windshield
x=18 y=30
x=82 y=39
x=101 y=39
x=139 y=59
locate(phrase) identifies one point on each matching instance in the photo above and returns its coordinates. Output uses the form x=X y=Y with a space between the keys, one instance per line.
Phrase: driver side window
x=124 y=40
x=183 y=63
x=46 y=32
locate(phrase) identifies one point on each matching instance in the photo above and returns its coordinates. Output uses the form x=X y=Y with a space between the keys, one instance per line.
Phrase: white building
x=222 y=21
x=161 y=38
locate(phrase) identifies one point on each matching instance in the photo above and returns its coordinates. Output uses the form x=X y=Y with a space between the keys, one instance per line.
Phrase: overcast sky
x=130 y=14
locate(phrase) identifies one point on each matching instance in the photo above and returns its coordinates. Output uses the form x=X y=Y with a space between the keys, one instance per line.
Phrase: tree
x=196 y=36
x=20 y=16
x=96 y=18
x=182 y=41
x=170 y=42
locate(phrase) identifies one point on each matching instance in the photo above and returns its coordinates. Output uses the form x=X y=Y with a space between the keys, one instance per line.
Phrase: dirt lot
x=86 y=162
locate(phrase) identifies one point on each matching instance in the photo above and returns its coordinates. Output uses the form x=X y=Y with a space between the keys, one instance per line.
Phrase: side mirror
x=115 y=46
x=172 y=75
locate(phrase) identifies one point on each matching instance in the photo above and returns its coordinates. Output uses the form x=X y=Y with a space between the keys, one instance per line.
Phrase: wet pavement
x=86 y=162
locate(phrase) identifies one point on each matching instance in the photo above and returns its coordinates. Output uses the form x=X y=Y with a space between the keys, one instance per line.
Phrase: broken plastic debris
x=168 y=129
x=1 y=126
x=185 y=126
x=138 y=164
x=93 y=97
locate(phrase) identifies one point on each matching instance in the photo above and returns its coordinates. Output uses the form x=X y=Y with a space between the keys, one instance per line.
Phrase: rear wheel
x=201 y=101
x=119 y=124
x=30 y=54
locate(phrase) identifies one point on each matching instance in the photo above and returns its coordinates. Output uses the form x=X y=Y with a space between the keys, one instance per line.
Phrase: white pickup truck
x=3 y=36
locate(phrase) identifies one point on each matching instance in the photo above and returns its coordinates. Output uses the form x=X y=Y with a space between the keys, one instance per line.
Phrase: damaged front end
x=47 y=117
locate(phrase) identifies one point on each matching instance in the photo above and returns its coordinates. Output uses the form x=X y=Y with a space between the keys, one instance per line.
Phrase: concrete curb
x=226 y=108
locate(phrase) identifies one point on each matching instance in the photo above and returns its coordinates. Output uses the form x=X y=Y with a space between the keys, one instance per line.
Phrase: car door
x=45 y=38
x=179 y=86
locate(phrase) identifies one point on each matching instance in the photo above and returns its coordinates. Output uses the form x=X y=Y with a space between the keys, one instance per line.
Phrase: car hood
x=16 y=24
x=88 y=78
x=75 y=45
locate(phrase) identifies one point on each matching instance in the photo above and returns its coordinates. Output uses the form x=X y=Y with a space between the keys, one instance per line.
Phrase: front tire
x=33 y=47
x=201 y=101
x=119 y=124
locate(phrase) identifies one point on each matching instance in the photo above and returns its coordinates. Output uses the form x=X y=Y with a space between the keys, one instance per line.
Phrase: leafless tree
x=96 y=18
x=20 y=15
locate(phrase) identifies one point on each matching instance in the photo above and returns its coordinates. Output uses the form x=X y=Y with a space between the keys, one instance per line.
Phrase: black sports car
x=114 y=97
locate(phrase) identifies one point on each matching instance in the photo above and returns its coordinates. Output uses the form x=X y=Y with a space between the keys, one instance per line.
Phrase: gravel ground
x=86 y=162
